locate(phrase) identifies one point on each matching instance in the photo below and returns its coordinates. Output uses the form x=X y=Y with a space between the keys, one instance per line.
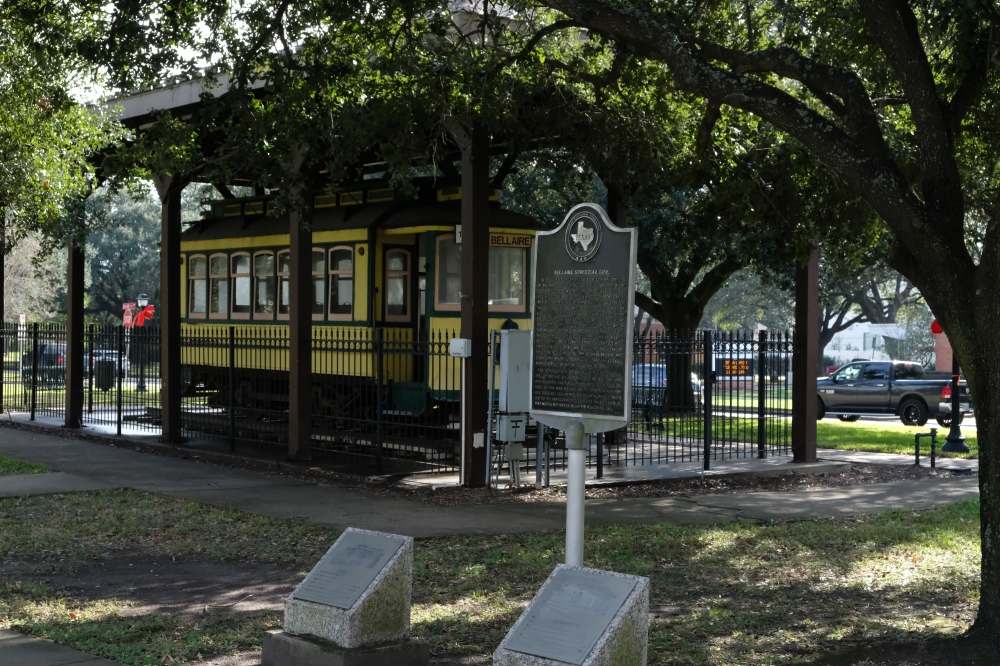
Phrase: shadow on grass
x=735 y=594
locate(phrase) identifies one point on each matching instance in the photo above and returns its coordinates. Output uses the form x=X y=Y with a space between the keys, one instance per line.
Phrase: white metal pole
x=461 y=425
x=575 y=494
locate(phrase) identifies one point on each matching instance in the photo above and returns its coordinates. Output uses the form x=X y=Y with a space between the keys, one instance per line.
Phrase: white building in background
x=863 y=341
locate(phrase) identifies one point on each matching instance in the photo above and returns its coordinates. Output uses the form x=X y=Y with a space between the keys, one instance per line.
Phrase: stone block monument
x=581 y=616
x=353 y=609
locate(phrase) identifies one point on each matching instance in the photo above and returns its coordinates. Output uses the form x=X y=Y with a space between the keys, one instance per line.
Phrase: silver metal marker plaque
x=570 y=615
x=347 y=570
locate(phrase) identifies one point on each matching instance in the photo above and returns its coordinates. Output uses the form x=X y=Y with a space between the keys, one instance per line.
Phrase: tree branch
x=533 y=42
x=707 y=126
x=894 y=27
x=505 y=168
x=856 y=158
x=971 y=90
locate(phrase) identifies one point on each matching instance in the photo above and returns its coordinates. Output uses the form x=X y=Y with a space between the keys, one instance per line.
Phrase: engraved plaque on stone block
x=570 y=614
x=581 y=351
x=348 y=569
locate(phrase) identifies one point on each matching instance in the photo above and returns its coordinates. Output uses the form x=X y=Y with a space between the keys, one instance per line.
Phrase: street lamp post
x=955 y=441
x=141 y=302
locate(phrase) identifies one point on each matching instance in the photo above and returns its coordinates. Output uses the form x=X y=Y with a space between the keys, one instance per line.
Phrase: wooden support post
x=617 y=209
x=806 y=360
x=3 y=280
x=475 y=309
x=300 y=338
x=74 y=337
x=169 y=188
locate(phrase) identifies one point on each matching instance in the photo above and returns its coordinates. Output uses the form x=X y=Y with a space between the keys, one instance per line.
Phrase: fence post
x=118 y=378
x=600 y=455
x=34 y=369
x=761 y=394
x=90 y=369
x=378 y=399
x=3 y=360
x=232 y=388
x=709 y=375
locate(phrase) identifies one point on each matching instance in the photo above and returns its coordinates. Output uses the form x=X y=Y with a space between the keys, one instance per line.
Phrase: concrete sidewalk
x=897 y=459
x=20 y=650
x=81 y=462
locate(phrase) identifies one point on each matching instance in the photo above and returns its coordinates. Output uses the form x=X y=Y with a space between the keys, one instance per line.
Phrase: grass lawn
x=8 y=467
x=879 y=438
x=738 y=594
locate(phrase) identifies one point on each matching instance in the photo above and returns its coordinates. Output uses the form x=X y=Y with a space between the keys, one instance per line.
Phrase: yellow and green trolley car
x=386 y=297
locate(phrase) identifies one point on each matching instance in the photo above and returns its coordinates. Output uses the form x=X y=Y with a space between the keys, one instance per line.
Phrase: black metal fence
x=34 y=369
x=390 y=400
x=714 y=396
x=703 y=397
x=122 y=378
x=384 y=399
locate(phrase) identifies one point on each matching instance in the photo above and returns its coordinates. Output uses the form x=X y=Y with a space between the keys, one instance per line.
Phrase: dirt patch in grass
x=959 y=651
x=186 y=588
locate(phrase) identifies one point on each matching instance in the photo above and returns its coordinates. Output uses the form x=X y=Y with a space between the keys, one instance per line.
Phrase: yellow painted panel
x=337 y=350
x=417 y=230
x=340 y=236
x=443 y=329
x=505 y=230
x=401 y=239
x=452 y=325
x=361 y=282
x=234 y=243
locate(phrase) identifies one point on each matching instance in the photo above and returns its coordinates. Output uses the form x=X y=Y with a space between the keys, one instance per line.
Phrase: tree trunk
x=983 y=375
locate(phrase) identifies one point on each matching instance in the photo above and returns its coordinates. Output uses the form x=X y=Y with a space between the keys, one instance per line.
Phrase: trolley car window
x=264 y=287
x=397 y=296
x=341 y=282
x=506 y=282
x=241 y=284
x=506 y=290
x=218 y=286
x=284 y=296
x=319 y=283
x=197 y=272
x=449 y=274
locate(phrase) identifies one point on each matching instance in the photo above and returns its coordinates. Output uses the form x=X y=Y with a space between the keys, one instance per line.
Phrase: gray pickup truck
x=889 y=387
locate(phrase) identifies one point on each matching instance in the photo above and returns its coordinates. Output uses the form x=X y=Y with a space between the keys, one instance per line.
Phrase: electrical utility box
x=510 y=427
x=515 y=375
x=460 y=347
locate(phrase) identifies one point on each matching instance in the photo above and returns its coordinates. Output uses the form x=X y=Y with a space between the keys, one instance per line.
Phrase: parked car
x=104 y=355
x=889 y=387
x=649 y=390
x=51 y=364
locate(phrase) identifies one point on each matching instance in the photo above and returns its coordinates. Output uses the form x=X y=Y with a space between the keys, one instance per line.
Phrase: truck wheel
x=913 y=412
x=820 y=409
x=849 y=419
x=945 y=421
